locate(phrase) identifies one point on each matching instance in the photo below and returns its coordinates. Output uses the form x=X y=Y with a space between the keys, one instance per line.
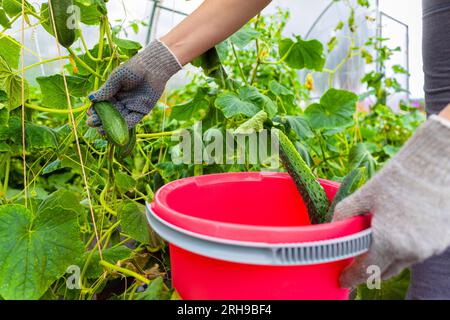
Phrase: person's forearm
x=446 y=113
x=210 y=24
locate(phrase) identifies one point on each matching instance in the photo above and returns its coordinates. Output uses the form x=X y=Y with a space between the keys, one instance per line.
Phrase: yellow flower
x=309 y=82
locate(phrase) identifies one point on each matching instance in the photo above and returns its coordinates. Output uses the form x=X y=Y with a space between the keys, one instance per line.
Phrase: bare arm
x=211 y=23
x=446 y=113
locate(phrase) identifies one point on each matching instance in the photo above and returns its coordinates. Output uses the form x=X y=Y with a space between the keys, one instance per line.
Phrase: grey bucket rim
x=260 y=253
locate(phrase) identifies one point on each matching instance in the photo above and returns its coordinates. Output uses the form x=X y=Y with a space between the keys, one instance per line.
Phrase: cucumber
x=308 y=186
x=113 y=123
x=350 y=184
x=65 y=35
x=125 y=151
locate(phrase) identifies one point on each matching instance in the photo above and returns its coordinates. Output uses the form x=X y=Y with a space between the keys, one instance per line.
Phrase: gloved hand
x=135 y=87
x=410 y=202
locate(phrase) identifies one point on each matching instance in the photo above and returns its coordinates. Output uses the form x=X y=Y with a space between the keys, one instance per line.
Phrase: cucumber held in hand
x=113 y=123
x=312 y=192
x=126 y=150
x=65 y=34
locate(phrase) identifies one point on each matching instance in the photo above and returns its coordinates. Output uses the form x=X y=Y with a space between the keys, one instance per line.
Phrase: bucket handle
x=258 y=253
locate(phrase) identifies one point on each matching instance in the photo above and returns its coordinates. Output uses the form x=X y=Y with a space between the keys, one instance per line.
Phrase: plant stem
x=349 y=56
x=155 y=135
x=125 y=271
x=105 y=72
x=281 y=60
x=103 y=202
x=31 y=66
x=324 y=158
x=6 y=181
x=84 y=65
x=86 y=49
x=14 y=19
x=60 y=111
x=101 y=45
x=258 y=54
x=239 y=64
x=109 y=36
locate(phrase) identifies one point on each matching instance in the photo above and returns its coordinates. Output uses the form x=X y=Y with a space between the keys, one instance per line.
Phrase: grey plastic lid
x=257 y=253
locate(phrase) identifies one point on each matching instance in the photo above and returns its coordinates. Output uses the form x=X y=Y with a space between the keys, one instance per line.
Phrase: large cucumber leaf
x=36 y=249
x=232 y=105
x=335 y=110
x=11 y=83
x=54 y=91
x=134 y=223
x=301 y=54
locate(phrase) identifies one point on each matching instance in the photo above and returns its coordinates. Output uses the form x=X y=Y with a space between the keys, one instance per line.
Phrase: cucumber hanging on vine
x=62 y=14
x=113 y=123
x=308 y=186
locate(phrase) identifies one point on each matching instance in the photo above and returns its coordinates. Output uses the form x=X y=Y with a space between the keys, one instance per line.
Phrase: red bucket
x=248 y=236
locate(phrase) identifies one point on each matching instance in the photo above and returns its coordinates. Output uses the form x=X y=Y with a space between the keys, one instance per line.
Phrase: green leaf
x=37 y=136
x=286 y=96
x=155 y=291
x=360 y=156
x=254 y=124
x=399 y=69
x=40 y=137
x=11 y=83
x=134 y=222
x=14 y=7
x=335 y=110
x=364 y=3
x=124 y=182
x=128 y=47
x=304 y=153
x=111 y=255
x=4 y=20
x=91 y=11
x=300 y=126
x=302 y=54
x=209 y=61
x=212 y=67
x=3 y=97
x=232 y=105
x=10 y=51
x=54 y=92
x=392 y=289
x=45 y=18
x=189 y=110
x=35 y=250
x=4 y=147
x=244 y=36
x=252 y=95
x=223 y=50
x=351 y=182
x=3 y=100
x=279 y=90
x=4 y=121
x=98 y=4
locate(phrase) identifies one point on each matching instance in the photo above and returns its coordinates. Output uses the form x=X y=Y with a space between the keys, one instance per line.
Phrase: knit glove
x=410 y=202
x=135 y=87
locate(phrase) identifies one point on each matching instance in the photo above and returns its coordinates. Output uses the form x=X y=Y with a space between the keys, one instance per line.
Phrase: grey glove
x=410 y=202
x=136 y=86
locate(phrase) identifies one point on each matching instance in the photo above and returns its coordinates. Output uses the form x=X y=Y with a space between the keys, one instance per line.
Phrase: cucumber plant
x=94 y=204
